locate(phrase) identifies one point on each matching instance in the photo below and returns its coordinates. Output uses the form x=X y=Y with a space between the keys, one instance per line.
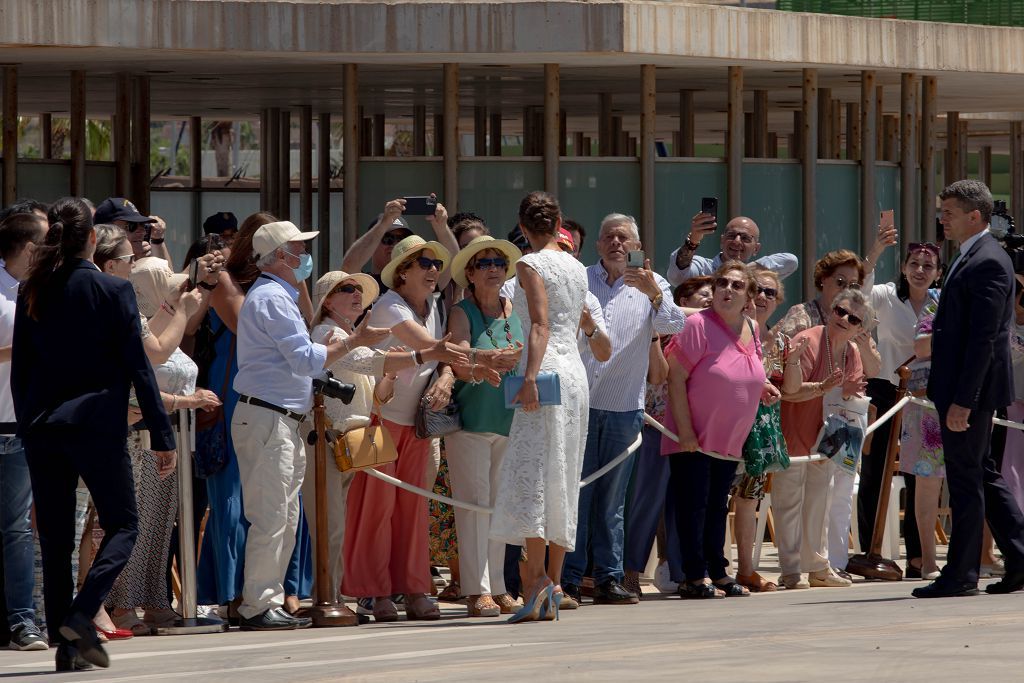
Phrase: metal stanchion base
x=329 y=615
x=188 y=627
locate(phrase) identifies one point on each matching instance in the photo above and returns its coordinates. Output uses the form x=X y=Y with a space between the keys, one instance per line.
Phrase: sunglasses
x=428 y=263
x=843 y=313
x=843 y=283
x=769 y=292
x=348 y=289
x=741 y=236
x=391 y=239
x=130 y=258
x=923 y=246
x=486 y=263
x=726 y=283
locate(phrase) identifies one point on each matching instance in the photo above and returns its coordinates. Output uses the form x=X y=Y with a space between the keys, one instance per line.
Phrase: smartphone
x=149 y=231
x=635 y=259
x=420 y=206
x=888 y=219
x=709 y=205
x=193 y=274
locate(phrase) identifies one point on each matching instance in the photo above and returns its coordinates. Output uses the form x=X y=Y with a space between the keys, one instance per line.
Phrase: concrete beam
x=808 y=134
x=734 y=148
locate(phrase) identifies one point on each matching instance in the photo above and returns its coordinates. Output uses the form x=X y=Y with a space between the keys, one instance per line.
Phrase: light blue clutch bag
x=549 y=389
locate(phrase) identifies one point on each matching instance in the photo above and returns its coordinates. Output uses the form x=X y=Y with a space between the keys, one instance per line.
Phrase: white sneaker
x=663 y=579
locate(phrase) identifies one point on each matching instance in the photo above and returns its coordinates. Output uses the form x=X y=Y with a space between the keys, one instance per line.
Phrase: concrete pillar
x=909 y=227
x=734 y=148
x=606 y=135
x=77 y=123
x=929 y=94
x=686 y=124
x=648 y=130
x=350 y=155
x=306 y=167
x=809 y=164
x=419 y=130
x=952 y=171
x=451 y=137
x=824 y=123
x=10 y=134
x=379 y=124
x=853 y=131
x=1017 y=168
x=323 y=190
x=552 y=105
x=284 y=167
x=495 y=139
x=985 y=165
x=480 y=131
x=869 y=148
x=760 y=123
x=140 y=144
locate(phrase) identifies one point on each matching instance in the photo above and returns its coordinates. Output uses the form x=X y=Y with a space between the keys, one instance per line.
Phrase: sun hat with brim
x=153 y=281
x=328 y=282
x=406 y=248
x=483 y=243
x=273 y=235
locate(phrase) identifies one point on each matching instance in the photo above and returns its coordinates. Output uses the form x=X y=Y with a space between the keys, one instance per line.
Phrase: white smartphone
x=635 y=259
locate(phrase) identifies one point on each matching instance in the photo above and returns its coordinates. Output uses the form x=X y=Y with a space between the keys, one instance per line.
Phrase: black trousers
x=55 y=461
x=872 y=467
x=701 y=486
x=977 y=493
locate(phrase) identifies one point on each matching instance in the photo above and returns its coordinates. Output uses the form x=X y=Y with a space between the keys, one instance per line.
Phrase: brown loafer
x=756 y=583
x=421 y=609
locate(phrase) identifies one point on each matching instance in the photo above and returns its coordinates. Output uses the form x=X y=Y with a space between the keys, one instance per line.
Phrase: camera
x=330 y=387
x=1002 y=228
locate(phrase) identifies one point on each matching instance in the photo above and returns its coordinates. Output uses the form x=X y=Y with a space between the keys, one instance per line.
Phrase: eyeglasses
x=769 y=292
x=843 y=313
x=392 y=238
x=348 y=289
x=486 y=263
x=428 y=263
x=741 y=236
x=843 y=283
x=923 y=246
x=726 y=283
x=129 y=258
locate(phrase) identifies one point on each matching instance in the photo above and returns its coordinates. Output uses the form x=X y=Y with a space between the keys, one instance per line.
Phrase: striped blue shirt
x=618 y=384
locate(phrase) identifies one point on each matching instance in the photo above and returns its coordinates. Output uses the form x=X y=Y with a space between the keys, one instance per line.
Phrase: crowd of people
x=499 y=372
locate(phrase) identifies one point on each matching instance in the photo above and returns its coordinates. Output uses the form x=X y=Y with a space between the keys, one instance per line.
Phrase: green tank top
x=483 y=406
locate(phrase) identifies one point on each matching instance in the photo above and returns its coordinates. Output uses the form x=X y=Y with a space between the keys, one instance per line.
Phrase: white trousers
x=474 y=460
x=800 y=504
x=840 y=513
x=338 y=484
x=271 y=463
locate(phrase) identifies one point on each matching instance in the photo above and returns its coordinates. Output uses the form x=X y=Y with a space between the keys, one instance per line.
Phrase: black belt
x=298 y=417
x=8 y=428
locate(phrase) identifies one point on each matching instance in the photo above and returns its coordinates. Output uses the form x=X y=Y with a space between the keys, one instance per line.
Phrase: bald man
x=740 y=242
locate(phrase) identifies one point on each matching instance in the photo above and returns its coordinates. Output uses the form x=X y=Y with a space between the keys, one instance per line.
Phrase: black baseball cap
x=219 y=222
x=118 y=209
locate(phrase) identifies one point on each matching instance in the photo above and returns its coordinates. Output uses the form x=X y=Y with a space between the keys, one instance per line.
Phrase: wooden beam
x=869 y=127
x=140 y=144
x=853 y=131
x=10 y=135
x=577 y=143
x=438 y=135
x=835 y=147
x=952 y=147
x=985 y=164
x=734 y=151
x=284 y=168
x=824 y=123
x=495 y=139
x=305 y=167
x=323 y=189
x=1017 y=168
x=808 y=134
x=796 y=149
x=587 y=146
x=964 y=138
x=419 y=130
x=618 y=145
x=46 y=129
x=350 y=155
x=195 y=152
x=480 y=131
x=648 y=154
x=552 y=105
x=265 y=201
x=879 y=123
x=687 y=125
x=760 y=124
x=892 y=128
x=77 y=123
x=451 y=137
x=379 y=126
x=273 y=155
x=606 y=141
x=929 y=94
x=910 y=228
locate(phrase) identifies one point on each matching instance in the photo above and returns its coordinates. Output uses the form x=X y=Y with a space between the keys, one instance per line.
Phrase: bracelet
x=157 y=240
x=472 y=356
x=418 y=357
x=793 y=362
x=174 y=402
x=207 y=286
x=169 y=308
x=472 y=376
x=690 y=245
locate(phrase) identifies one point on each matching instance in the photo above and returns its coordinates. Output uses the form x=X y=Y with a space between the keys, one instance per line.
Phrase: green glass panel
x=680 y=185
x=589 y=190
x=494 y=190
x=382 y=181
x=772 y=198
x=887 y=196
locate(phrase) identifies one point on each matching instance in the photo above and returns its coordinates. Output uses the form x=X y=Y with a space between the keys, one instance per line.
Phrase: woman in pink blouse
x=716 y=357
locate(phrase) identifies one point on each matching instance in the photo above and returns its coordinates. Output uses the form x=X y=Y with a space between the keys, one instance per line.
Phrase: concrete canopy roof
x=229 y=58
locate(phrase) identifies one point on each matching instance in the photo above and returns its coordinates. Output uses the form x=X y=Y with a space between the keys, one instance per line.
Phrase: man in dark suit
x=971 y=378
x=77 y=350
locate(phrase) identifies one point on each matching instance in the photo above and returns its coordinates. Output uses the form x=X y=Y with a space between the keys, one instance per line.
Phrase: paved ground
x=870 y=632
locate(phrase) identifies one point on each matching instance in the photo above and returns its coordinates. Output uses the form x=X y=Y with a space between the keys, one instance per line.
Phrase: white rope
x=485 y=510
x=995 y=420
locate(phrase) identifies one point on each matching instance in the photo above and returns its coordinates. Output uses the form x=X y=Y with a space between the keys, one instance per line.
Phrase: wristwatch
x=156 y=240
x=656 y=301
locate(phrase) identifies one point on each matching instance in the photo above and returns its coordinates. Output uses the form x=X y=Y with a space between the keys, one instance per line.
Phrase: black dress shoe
x=1013 y=581
x=573 y=591
x=945 y=589
x=270 y=620
x=912 y=572
x=300 y=622
x=611 y=592
x=68 y=659
x=79 y=632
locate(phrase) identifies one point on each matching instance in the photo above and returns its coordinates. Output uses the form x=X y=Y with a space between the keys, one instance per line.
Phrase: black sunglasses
x=428 y=263
x=485 y=263
x=391 y=239
x=843 y=313
x=769 y=292
x=349 y=289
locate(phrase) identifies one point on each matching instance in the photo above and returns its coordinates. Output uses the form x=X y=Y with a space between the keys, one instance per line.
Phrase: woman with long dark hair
x=71 y=398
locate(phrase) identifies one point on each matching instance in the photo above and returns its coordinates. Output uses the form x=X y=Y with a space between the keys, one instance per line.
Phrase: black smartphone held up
x=635 y=258
x=193 y=274
x=709 y=205
x=420 y=206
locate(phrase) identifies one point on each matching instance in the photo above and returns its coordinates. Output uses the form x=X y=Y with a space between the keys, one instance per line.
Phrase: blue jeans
x=16 y=530
x=599 y=527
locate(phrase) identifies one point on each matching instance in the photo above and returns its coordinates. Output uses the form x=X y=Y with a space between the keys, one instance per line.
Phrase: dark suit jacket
x=971 y=364
x=74 y=367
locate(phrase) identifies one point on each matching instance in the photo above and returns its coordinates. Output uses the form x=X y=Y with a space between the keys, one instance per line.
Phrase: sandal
x=384 y=610
x=699 y=591
x=130 y=621
x=756 y=583
x=453 y=593
x=733 y=589
x=421 y=609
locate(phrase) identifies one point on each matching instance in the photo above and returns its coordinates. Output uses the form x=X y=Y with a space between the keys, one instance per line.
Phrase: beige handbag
x=365 y=447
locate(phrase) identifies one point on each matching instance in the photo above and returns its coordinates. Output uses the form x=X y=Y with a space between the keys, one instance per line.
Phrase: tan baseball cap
x=273 y=235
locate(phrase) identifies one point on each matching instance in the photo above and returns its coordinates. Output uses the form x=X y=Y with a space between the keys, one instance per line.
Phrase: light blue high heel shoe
x=550 y=610
x=535 y=609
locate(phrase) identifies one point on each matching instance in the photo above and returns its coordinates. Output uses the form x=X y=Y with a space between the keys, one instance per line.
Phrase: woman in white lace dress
x=540 y=475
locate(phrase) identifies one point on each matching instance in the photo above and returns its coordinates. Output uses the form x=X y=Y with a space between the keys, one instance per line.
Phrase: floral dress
x=921 y=440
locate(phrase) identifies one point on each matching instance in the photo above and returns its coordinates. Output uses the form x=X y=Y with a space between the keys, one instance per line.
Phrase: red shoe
x=117 y=634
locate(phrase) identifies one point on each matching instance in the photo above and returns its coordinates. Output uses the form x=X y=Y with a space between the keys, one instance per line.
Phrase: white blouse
x=361 y=366
x=897 y=321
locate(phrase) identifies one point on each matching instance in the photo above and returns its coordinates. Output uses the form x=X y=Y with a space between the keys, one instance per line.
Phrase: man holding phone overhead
x=740 y=241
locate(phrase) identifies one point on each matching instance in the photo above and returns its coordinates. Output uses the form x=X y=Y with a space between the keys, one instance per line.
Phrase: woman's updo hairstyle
x=70 y=227
x=540 y=214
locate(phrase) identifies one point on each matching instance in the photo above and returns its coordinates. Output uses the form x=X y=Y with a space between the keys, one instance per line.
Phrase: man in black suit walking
x=77 y=350
x=971 y=378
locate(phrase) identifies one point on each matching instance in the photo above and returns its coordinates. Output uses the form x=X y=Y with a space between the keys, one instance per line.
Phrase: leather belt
x=298 y=417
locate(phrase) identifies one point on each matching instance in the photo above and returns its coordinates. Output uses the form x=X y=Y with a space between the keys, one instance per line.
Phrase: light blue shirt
x=276 y=358
x=619 y=383
x=784 y=264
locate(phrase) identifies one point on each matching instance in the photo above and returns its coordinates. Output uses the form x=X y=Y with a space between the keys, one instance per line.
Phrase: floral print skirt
x=921 y=443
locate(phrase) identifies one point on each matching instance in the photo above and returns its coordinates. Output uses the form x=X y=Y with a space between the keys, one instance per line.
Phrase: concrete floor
x=870 y=632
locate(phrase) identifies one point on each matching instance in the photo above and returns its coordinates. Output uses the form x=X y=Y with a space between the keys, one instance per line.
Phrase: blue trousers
x=16 y=532
x=647 y=500
x=599 y=527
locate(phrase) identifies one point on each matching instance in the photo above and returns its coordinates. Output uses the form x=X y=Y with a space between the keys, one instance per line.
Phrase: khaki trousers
x=800 y=504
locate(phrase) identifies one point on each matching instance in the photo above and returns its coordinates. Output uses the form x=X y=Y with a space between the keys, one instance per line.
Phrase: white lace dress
x=539 y=481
